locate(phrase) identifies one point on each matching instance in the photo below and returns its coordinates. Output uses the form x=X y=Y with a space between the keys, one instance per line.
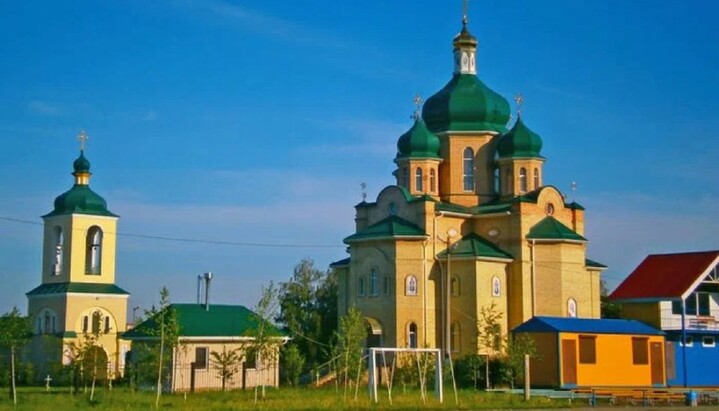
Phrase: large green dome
x=520 y=141
x=80 y=199
x=466 y=104
x=418 y=142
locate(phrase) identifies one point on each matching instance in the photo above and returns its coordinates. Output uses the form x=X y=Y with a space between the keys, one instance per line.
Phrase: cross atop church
x=465 y=11
x=417 y=100
x=82 y=138
x=519 y=99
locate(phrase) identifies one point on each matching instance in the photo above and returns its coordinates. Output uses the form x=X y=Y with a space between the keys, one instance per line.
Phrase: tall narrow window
x=418 y=179
x=571 y=308
x=107 y=324
x=411 y=285
x=522 y=180
x=93 y=251
x=85 y=323
x=432 y=180
x=374 y=282
x=455 y=336
x=412 y=335
x=536 y=178
x=454 y=286
x=468 y=169
x=96 y=321
x=496 y=287
x=360 y=286
x=508 y=181
x=57 y=261
x=405 y=177
x=200 y=358
x=385 y=285
x=47 y=323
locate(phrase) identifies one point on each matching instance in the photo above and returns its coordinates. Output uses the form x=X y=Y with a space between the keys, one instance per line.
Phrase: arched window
x=455 y=337
x=536 y=178
x=418 y=179
x=107 y=324
x=360 y=286
x=47 y=320
x=374 y=282
x=432 y=181
x=410 y=285
x=468 y=169
x=57 y=262
x=571 y=308
x=496 y=287
x=508 y=181
x=412 y=335
x=85 y=324
x=385 y=285
x=522 y=180
x=405 y=177
x=93 y=251
x=454 y=286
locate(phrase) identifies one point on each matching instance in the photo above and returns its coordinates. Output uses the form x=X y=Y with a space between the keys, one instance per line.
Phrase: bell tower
x=77 y=293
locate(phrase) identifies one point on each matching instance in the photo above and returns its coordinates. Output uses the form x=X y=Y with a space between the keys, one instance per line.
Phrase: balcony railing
x=672 y=321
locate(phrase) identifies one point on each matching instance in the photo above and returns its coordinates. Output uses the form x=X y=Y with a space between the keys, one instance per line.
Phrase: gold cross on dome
x=465 y=10
x=82 y=138
x=519 y=99
x=417 y=100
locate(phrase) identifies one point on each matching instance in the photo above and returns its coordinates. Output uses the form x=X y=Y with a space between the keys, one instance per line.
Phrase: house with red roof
x=679 y=294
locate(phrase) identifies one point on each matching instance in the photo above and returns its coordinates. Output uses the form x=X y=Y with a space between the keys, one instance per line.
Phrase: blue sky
x=256 y=122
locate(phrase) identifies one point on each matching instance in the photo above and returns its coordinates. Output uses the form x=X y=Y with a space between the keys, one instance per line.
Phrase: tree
x=489 y=334
x=609 y=309
x=292 y=364
x=14 y=333
x=227 y=363
x=519 y=345
x=348 y=346
x=308 y=310
x=167 y=330
x=264 y=344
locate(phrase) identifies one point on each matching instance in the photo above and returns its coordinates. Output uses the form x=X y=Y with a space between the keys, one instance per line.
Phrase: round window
x=550 y=209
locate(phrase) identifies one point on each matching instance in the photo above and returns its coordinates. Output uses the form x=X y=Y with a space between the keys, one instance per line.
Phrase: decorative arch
x=571 y=308
x=468 y=169
x=93 y=251
x=410 y=285
x=496 y=287
x=46 y=321
x=96 y=320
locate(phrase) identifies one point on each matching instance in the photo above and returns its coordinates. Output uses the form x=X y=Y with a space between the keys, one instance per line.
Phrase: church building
x=469 y=224
x=77 y=295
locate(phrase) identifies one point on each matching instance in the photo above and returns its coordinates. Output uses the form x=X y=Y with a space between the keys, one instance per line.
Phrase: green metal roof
x=574 y=206
x=84 y=288
x=390 y=227
x=474 y=246
x=466 y=104
x=594 y=264
x=418 y=142
x=520 y=142
x=195 y=321
x=340 y=263
x=551 y=229
x=81 y=164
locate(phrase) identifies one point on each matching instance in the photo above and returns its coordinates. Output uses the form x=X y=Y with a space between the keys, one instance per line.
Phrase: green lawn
x=59 y=399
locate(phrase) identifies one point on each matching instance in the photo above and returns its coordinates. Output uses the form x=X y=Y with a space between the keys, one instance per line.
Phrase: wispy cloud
x=44 y=108
x=369 y=137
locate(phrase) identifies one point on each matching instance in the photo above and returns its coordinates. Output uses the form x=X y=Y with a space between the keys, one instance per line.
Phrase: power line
x=195 y=240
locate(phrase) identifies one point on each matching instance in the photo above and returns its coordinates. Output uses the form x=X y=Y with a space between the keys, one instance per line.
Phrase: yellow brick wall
x=645 y=312
x=451 y=170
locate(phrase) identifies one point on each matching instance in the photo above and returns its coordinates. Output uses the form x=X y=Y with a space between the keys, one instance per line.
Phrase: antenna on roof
x=574 y=191
x=208 y=278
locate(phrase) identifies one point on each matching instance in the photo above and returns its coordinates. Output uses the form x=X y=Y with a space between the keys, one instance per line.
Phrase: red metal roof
x=665 y=276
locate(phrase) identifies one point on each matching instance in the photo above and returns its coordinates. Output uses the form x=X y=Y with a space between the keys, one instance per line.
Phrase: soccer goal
x=378 y=357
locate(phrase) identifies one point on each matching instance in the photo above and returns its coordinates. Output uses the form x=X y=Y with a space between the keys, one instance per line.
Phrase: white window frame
x=410 y=285
x=468 y=169
x=496 y=287
x=708 y=341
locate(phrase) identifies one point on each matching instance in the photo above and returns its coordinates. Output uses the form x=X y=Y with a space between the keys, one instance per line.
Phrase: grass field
x=36 y=399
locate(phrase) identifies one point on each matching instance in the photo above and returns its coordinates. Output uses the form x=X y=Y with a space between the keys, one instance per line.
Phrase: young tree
x=489 y=334
x=14 y=333
x=167 y=330
x=517 y=347
x=227 y=363
x=349 y=343
x=608 y=309
x=265 y=344
x=292 y=364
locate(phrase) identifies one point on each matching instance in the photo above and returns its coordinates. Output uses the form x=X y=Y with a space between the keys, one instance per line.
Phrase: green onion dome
x=81 y=164
x=418 y=142
x=80 y=199
x=520 y=141
x=466 y=104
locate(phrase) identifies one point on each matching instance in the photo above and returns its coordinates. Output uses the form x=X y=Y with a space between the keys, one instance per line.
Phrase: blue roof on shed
x=586 y=325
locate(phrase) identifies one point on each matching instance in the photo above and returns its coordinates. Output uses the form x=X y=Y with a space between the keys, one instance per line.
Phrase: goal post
x=372 y=367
